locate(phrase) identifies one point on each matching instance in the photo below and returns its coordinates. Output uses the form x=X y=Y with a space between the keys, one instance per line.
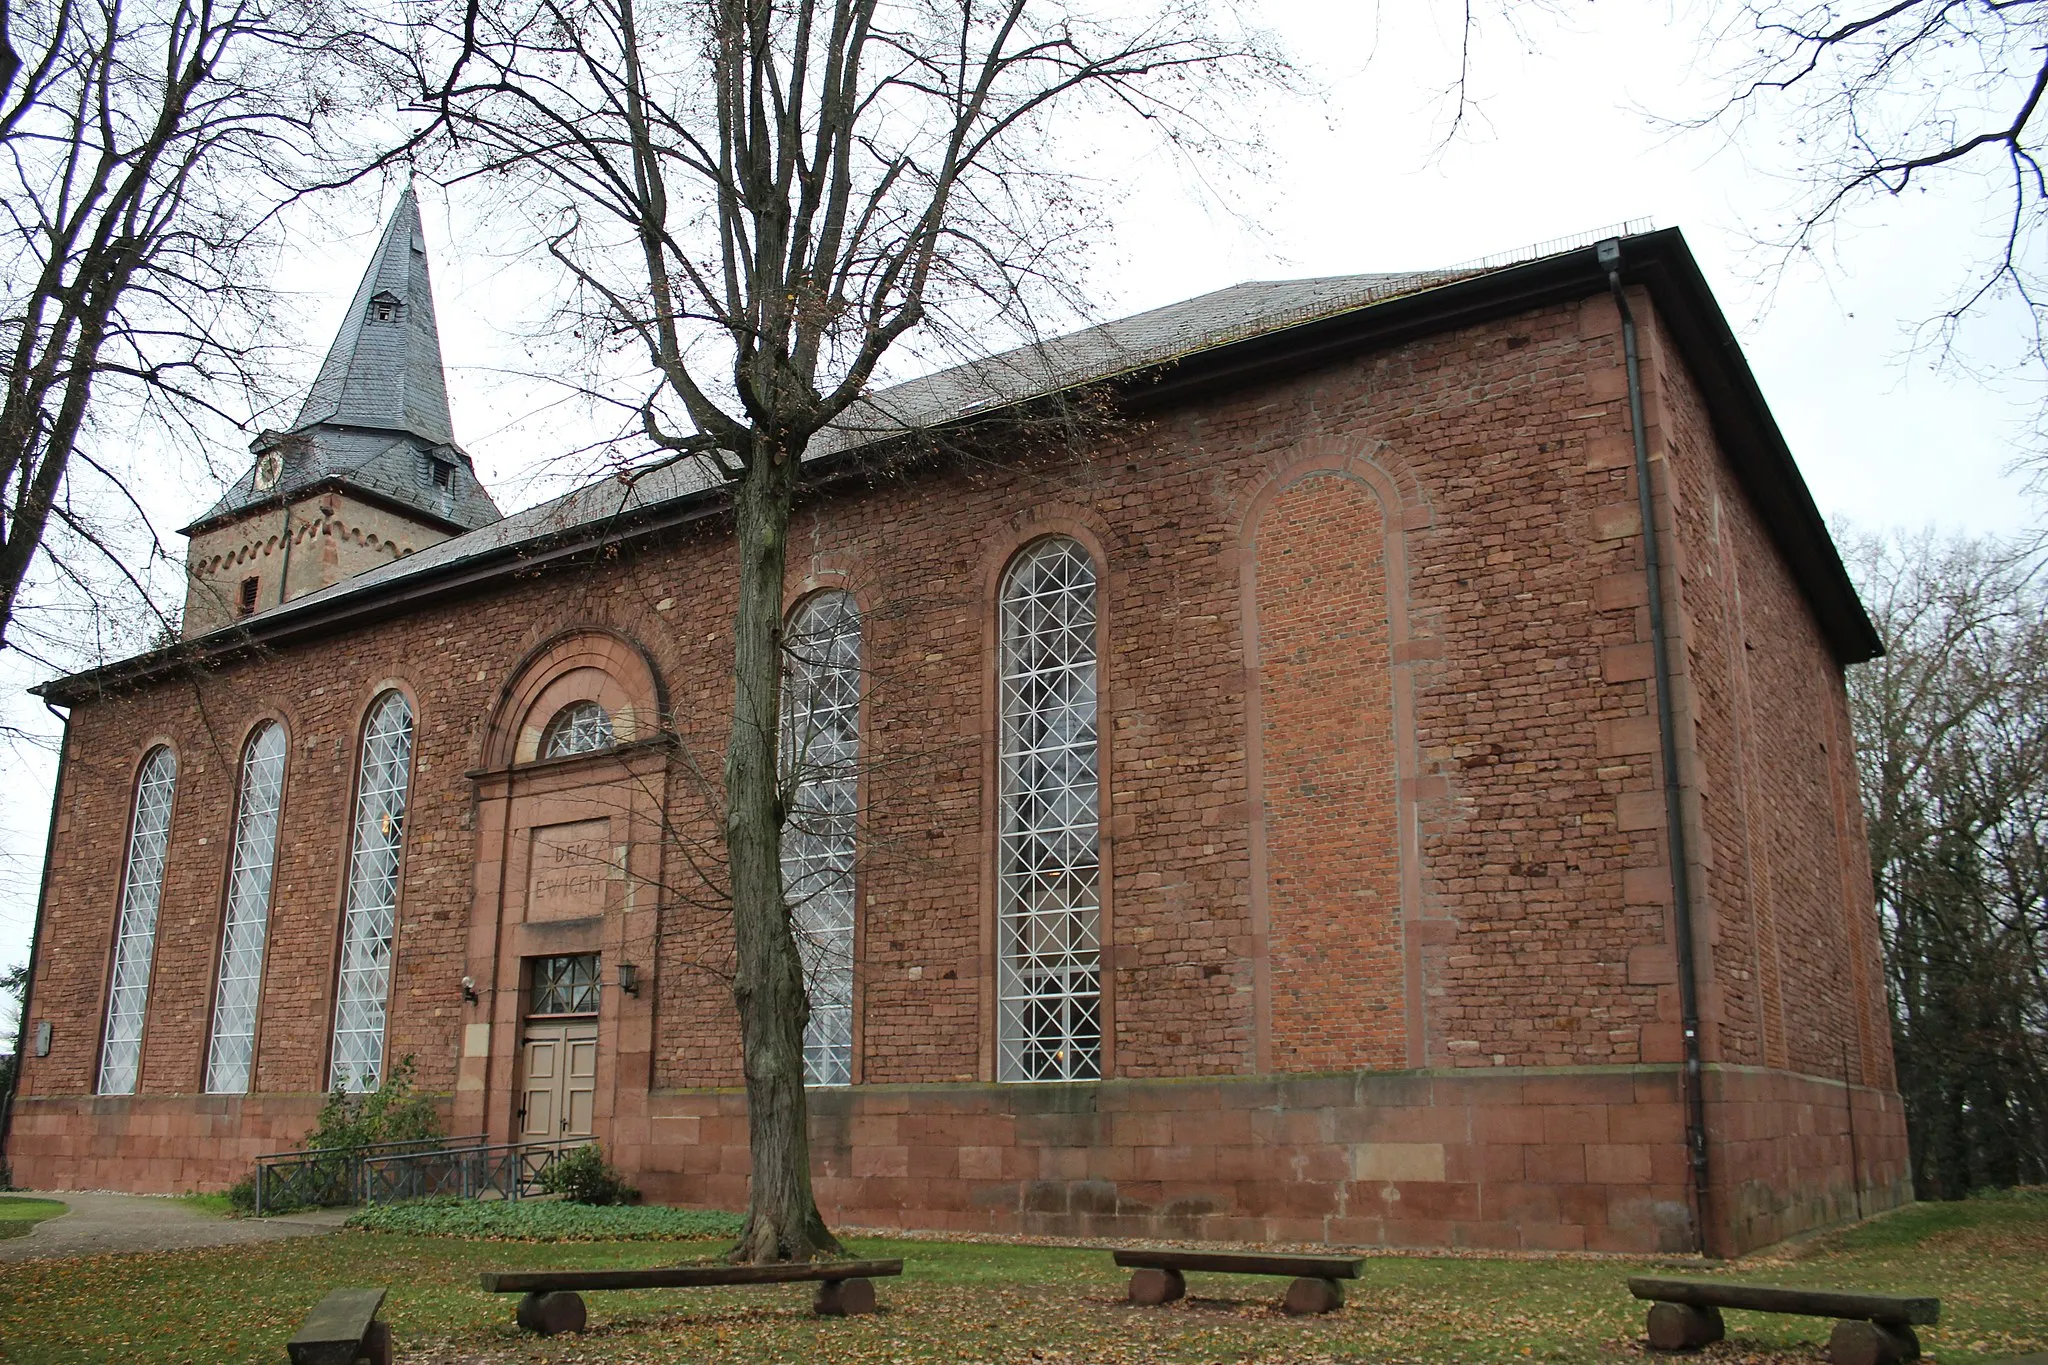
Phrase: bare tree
x=147 y=144
x=763 y=198
x=1885 y=97
x=1952 y=737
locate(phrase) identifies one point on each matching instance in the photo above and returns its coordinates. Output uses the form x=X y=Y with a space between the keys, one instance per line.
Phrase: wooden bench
x=554 y=1304
x=1873 y=1329
x=341 y=1330
x=1161 y=1276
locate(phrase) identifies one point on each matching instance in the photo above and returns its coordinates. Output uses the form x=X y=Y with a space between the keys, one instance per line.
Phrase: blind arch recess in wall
x=376 y=847
x=142 y=884
x=1048 y=846
x=231 y=1047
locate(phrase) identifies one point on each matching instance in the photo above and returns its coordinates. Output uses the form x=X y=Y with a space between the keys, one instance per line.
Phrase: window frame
x=378 y=697
x=155 y=749
x=269 y=902
x=1008 y=1045
x=566 y=719
x=821 y=1068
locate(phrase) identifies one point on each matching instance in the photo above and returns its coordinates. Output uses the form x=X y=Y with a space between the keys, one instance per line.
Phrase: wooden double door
x=558 y=1079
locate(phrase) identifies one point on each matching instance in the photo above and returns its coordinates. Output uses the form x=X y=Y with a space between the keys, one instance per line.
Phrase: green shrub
x=585 y=1177
x=393 y=1112
x=348 y=1126
x=546 y=1220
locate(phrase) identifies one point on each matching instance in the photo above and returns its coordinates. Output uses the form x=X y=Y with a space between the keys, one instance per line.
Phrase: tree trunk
x=782 y=1215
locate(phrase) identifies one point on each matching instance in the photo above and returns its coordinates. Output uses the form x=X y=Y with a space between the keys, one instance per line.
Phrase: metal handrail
x=330 y=1175
x=509 y=1170
x=467 y=1140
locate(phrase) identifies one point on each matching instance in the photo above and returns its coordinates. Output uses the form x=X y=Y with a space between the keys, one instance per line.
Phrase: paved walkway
x=99 y=1224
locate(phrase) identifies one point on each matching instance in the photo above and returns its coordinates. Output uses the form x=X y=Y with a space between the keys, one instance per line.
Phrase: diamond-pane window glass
x=565 y=985
x=1048 y=945
x=233 y=1043
x=581 y=727
x=142 y=885
x=820 y=753
x=376 y=842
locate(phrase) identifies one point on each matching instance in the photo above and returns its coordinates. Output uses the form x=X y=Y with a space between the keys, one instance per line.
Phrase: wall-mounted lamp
x=629 y=978
x=469 y=989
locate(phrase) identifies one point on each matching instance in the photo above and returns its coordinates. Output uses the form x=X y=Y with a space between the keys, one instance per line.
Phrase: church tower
x=368 y=473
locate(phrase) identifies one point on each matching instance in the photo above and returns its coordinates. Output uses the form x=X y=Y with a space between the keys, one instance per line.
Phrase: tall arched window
x=371 y=917
x=1048 y=943
x=247 y=924
x=820 y=752
x=142 y=885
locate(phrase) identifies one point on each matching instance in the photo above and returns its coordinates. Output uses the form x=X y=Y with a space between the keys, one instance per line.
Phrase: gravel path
x=100 y=1224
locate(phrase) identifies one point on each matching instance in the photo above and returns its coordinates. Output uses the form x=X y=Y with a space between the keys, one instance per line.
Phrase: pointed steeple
x=368 y=473
x=384 y=369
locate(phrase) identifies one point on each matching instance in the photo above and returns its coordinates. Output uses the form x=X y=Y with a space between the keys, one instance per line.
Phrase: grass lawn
x=216 y=1204
x=959 y=1303
x=18 y=1215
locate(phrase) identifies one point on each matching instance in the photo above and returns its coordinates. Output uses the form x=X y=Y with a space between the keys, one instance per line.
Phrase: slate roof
x=1218 y=338
x=387 y=373
x=377 y=414
x=1135 y=343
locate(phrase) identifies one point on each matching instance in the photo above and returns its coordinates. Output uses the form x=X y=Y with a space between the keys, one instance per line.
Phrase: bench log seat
x=1872 y=1329
x=553 y=1299
x=342 y=1329
x=1161 y=1276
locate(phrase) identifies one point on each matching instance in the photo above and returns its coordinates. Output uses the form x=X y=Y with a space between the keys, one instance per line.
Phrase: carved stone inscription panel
x=570 y=867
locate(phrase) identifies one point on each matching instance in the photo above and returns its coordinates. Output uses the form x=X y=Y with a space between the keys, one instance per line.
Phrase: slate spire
x=375 y=422
x=384 y=369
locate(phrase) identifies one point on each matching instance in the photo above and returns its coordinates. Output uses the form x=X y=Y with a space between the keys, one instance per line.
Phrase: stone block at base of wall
x=1572 y=1159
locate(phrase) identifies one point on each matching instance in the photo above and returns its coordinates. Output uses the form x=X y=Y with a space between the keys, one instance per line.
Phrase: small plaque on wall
x=571 y=866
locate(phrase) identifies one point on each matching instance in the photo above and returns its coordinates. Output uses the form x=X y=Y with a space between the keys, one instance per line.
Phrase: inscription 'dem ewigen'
x=571 y=864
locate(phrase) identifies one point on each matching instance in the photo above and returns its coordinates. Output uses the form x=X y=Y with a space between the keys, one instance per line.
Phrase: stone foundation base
x=1541 y=1159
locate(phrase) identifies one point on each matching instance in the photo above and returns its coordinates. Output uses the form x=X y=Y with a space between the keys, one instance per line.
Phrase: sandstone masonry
x=1388 y=944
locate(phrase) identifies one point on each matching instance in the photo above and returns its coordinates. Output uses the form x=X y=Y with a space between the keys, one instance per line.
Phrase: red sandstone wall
x=1506 y=1159
x=1521 y=921
x=1790 y=972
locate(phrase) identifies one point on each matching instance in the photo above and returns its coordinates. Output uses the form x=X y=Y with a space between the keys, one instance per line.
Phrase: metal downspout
x=1608 y=253
x=35 y=943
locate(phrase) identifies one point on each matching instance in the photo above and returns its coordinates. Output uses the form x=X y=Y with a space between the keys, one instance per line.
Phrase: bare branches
x=796 y=185
x=147 y=144
x=1882 y=99
x=763 y=198
x=1952 y=738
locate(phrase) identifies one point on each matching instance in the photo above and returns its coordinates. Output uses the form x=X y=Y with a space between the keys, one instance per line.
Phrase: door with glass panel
x=558 y=1051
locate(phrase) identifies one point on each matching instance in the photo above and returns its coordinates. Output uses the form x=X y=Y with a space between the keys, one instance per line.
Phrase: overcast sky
x=1561 y=146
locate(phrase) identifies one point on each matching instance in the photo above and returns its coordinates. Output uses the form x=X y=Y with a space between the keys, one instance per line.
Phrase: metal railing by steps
x=386 y=1171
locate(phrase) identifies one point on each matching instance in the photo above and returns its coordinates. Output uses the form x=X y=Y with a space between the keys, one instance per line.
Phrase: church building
x=1233 y=792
